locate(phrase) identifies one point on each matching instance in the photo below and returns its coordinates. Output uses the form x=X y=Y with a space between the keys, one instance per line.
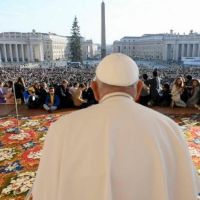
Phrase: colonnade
x=21 y=52
x=177 y=51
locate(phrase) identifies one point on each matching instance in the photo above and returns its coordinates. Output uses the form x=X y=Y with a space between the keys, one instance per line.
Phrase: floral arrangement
x=7 y=154
x=19 y=184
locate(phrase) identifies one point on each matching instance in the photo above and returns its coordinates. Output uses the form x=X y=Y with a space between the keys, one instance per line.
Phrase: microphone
x=17 y=128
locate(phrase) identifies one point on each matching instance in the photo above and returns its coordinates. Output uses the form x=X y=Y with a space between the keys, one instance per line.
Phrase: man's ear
x=95 y=89
x=138 y=89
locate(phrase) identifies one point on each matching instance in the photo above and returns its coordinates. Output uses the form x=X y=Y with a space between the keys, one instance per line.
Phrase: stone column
x=192 y=50
x=198 y=50
x=195 y=50
x=26 y=52
x=0 y=54
x=16 y=53
x=183 y=50
x=188 y=50
x=5 y=53
x=31 y=52
x=176 y=52
x=22 y=51
x=11 y=54
x=41 y=52
x=164 y=52
x=179 y=52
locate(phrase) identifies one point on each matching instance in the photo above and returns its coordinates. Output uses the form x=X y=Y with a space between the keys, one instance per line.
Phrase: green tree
x=75 y=42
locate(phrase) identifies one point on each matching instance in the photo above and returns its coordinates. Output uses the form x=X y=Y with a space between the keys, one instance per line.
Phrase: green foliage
x=75 y=42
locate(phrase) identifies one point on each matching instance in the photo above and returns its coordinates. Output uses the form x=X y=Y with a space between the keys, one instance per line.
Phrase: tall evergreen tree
x=75 y=42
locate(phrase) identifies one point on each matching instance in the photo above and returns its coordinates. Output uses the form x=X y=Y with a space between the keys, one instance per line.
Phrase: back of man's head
x=118 y=70
x=189 y=77
x=145 y=76
x=115 y=73
x=155 y=73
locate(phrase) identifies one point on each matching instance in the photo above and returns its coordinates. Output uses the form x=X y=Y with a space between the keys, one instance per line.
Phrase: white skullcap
x=117 y=69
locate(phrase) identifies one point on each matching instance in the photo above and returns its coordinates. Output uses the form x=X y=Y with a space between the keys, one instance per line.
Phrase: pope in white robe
x=115 y=150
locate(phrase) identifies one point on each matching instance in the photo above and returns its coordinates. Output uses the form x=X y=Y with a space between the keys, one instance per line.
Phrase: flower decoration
x=7 y=123
x=195 y=130
x=194 y=152
x=31 y=123
x=13 y=167
x=21 y=136
x=1 y=145
x=19 y=184
x=24 y=118
x=24 y=136
x=197 y=141
x=42 y=129
x=11 y=130
x=42 y=139
x=7 y=154
x=32 y=155
x=49 y=117
x=28 y=145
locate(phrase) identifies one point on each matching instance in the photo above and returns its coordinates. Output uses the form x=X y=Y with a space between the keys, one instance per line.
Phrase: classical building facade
x=166 y=47
x=89 y=49
x=32 y=47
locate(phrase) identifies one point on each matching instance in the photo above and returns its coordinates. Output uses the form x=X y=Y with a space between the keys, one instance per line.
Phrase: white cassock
x=116 y=150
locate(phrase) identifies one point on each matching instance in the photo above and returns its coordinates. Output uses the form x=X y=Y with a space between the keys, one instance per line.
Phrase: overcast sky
x=123 y=17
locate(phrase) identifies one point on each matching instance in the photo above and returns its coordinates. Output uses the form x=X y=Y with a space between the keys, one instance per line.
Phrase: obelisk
x=103 y=31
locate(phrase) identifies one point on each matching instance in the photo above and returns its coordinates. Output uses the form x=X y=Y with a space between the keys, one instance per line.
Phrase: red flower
x=23 y=137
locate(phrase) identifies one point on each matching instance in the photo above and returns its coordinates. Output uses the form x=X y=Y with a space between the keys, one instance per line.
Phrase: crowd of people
x=66 y=87
x=182 y=92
